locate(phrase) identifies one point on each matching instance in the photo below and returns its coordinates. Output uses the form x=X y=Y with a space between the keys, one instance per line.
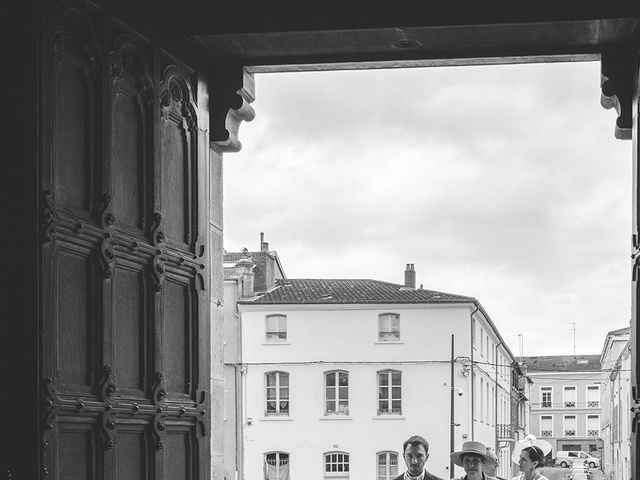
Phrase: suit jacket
x=427 y=476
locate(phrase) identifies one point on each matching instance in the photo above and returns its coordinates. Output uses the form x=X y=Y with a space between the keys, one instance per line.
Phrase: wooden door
x=124 y=253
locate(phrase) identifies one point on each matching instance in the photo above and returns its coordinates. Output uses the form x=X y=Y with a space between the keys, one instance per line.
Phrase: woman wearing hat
x=473 y=458
x=529 y=455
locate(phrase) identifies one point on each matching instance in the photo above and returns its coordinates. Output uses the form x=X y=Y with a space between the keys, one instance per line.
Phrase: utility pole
x=452 y=428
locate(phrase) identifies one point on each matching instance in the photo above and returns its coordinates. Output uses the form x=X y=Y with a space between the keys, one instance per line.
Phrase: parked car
x=564 y=458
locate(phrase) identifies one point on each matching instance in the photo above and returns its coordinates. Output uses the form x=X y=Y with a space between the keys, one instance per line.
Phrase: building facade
x=336 y=374
x=616 y=408
x=245 y=274
x=566 y=406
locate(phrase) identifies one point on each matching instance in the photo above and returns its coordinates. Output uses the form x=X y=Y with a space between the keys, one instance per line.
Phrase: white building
x=336 y=374
x=616 y=408
x=244 y=273
x=565 y=402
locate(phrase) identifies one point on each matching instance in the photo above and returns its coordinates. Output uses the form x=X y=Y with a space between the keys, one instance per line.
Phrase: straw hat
x=529 y=441
x=476 y=448
x=491 y=454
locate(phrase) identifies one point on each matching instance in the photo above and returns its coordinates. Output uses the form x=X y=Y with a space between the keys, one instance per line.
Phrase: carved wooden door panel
x=125 y=298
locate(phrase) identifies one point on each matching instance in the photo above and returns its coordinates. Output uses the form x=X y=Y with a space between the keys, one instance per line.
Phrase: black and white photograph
x=318 y=241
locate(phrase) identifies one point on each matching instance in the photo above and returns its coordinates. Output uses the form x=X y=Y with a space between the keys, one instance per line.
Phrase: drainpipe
x=495 y=408
x=473 y=384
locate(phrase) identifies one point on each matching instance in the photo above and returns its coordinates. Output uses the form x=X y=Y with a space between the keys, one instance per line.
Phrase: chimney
x=244 y=267
x=410 y=276
x=264 y=246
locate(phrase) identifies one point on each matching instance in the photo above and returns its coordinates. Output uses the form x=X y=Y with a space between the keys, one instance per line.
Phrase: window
x=593 y=396
x=570 y=397
x=276 y=328
x=336 y=388
x=336 y=464
x=546 y=425
x=593 y=425
x=481 y=400
x=387 y=465
x=388 y=327
x=545 y=396
x=389 y=392
x=569 y=425
x=276 y=466
x=277 y=393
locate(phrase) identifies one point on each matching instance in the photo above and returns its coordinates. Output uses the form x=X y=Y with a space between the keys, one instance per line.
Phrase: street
x=559 y=473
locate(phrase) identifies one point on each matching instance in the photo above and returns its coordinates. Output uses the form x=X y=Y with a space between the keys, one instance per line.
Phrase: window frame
x=586 y=424
x=586 y=391
x=549 y=416
x=564 y=396
x=278 y=398
x=564 y=425
x=278 y=331
x=392 y=316
x=544 y=388
x=390 y=386
x=388 y=475
x=279 y=464
x=336 y=473
x=336 y=387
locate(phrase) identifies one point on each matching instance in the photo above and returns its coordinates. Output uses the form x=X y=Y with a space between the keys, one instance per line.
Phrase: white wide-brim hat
x=529 y=441
x=476 y=448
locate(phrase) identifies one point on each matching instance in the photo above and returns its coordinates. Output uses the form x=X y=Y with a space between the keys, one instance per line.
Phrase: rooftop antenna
x=573 y=327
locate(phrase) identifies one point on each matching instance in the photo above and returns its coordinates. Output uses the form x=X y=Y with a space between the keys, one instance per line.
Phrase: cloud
x=500 y=182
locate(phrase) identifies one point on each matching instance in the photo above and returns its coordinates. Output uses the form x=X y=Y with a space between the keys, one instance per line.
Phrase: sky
x=501 y=182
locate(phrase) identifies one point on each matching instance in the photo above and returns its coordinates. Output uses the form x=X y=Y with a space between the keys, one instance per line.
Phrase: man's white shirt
x=419 y=477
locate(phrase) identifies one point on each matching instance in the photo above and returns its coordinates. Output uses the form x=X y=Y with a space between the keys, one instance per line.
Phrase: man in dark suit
x=416 y=451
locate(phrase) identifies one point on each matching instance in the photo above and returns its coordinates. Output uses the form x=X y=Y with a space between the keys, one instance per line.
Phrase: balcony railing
x=546 y=433
x=593 y=433
x=593 y=403
x=569 y=404
x=504 y=431
x=569 y=433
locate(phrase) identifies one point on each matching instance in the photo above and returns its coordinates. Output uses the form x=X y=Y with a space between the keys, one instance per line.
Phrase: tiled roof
x=349 y=291
x=563 y=363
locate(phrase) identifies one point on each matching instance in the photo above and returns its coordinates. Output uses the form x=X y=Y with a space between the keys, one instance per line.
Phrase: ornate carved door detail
x=124 y=257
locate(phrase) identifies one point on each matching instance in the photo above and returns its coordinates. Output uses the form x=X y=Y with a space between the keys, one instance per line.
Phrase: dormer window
x=388 y=327
x=276 y=328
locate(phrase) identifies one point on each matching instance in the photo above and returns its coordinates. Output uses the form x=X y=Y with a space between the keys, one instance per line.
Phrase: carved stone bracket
x=50 y=216
x=618 y=70
x=233 y=90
